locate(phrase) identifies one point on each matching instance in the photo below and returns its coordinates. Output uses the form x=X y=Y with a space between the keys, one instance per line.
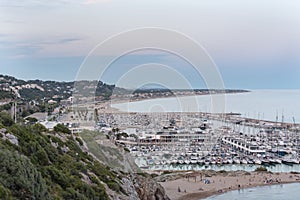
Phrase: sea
x=273 y=105
x=273 y=192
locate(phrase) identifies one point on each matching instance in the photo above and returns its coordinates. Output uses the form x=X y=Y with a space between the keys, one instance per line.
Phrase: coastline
x=204 y=195
x=221 y=182
x=126 y=100
x=234 y=180
x=111 y=109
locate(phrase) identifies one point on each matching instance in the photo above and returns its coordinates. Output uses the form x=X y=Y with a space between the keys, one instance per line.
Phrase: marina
x=195 y=141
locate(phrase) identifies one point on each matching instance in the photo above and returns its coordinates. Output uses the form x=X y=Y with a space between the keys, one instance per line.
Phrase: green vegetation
x=48 y=89
x=5 y=95
x=5 y=119
x=38 y=169
x=104 y=152
x=79 y=141
x=6 y=107
x=5 y=193
x=21 y=177
x=62 y=129
x=31 y=119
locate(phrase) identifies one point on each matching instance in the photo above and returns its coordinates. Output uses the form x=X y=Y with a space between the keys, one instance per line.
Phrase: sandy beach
x=199 y=185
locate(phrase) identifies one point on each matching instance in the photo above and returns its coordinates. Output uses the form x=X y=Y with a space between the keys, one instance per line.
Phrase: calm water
x=274 y=192
x=248 y=168
x=259 y=104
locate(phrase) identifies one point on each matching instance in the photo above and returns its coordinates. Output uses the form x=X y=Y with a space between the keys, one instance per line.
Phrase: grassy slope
x=59 y=175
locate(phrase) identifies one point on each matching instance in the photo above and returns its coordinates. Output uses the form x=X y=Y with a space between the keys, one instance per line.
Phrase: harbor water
x=248 y=168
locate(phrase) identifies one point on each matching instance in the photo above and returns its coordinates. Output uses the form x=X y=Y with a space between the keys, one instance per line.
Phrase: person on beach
x=179 y=190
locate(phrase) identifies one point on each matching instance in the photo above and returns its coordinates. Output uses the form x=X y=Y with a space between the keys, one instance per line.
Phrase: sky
x=254 y=44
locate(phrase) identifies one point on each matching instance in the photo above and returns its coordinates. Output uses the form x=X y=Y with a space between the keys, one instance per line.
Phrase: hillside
x=38 y=164
x=11 y=87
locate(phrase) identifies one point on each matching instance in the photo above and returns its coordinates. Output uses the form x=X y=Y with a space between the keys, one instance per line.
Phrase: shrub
x=62 y=128
x=20 y=176
x=114 y=186
x=31 y=119
x=5 y=193
x=58 y=177
x=79 y=141
x=6 y=119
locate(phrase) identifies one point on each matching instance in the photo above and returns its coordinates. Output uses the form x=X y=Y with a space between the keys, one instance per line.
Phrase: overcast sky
x=254 y=43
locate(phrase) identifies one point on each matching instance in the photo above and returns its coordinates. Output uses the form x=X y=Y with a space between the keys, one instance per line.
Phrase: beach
x=202 y=184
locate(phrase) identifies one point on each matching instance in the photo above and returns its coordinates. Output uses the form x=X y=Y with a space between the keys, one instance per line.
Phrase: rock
x=149 y=189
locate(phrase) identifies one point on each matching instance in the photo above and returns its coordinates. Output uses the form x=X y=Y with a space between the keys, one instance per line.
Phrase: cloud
x=16 y=49
x=68 y=40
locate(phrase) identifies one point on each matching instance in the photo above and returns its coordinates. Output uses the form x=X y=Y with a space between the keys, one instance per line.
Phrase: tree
x=20 y=176
x=6 y=119
x=62 y=128
x=5 y=193
x=31 y=119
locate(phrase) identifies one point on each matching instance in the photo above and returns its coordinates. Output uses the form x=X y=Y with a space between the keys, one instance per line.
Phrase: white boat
x=250 y=162
x=174 y=161
x=213 y=162
x=257 y=161
x=295 y=161
x=279 y=161
x=200 y=162
x=180 y=162
x=186 y=161
x=194 y=160
x=230 y=161
x=271 y=160
x=206 y=162
x=244 y=161
x=236 y=161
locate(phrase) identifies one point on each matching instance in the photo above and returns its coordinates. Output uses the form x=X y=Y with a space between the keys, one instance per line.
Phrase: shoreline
x=221 y=182
x=109 y=109
x=204 y=195
x=124 y=100
x=117 y=100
